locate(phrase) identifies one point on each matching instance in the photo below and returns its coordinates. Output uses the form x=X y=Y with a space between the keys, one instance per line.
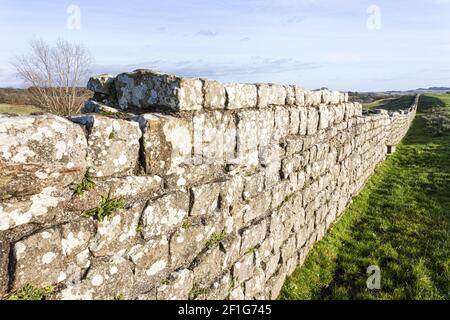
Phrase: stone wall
x=203 y=190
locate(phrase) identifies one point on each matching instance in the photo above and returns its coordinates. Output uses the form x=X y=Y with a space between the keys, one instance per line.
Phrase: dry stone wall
x=209 y=190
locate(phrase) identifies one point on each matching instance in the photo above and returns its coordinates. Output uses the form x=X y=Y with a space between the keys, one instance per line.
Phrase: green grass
x=19 y=109
x=107 y=207
x=391 y=104
x=399 y=222
x=28 y=292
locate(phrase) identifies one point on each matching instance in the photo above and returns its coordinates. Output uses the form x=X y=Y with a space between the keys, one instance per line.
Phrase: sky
x=352 y=45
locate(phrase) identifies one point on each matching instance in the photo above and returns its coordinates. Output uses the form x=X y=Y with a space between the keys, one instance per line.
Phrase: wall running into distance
x=211 y=191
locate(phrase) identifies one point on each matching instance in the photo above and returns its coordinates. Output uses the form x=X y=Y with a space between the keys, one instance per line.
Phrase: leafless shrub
x=55 y=74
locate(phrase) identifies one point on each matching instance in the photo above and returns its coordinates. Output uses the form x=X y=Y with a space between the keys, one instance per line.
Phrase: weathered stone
x=165 y=213
x=243 y=268
x=188 y=241
x=241 y=96
x=37 y=152
x=247 y=144
x=299 y=96
x=102 y=83
x=208 y=266
x=231 y=191
x=258 y=206
x=214 y=138
x=151 y=260
x=38 y=208
x=253 y=185
x=282 y=119
x=113 y=144
x=117 y=233
x=255 y=285
x=106 y=280
x=167 y=143
x=290 y=95
x=271 y=94
x=253 y=236
x=180 y=286
x=143 y=89
x=219 y=289
x=313 y=121
x=231 y=246
x=215 y=95
x=205 y=199
x=131 y=188
x=50 y=256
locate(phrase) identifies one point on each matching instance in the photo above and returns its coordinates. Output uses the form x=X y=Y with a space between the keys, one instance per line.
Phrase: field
x=392 y=104
x=19 y=109
x=400 y=222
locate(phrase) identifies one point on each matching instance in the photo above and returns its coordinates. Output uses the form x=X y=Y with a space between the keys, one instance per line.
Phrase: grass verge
x=399 y=222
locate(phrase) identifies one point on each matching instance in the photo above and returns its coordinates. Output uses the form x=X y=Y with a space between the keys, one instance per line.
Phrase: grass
x=391 y=104
x=19 y=109
x=106 y=208
x=29 y=292
x=86 y=184
x=399 y=222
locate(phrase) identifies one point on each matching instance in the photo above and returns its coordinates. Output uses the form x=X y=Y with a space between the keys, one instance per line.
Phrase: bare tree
x=55 y=75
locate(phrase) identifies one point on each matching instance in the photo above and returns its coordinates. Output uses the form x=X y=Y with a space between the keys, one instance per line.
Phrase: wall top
x=143 y=89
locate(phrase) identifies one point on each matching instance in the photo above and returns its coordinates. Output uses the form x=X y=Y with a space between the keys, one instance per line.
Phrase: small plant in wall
x=215 y=239
x=106 y=208
x=86 y=184
x=28 y=292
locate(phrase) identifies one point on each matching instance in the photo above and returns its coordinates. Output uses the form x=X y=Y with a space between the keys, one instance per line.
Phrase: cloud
x=207 y=33
x=224 y=70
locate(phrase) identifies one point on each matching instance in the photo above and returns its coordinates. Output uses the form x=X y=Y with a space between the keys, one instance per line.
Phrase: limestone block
x=299 y=96
x=253 y=236
x=144 y=89
x=50 y=256
x=274 y=284
x=303 y=121
x=113 y=144
x=244 y=268
x=151 y=260
x=220 y=289
x=102 y=83
x=231 y=191
x=215 y=95
x=131 y=188
x=214 y=138
x=37 y=152
x=241 y=96
x=265 y=129
x=106 y=280
x=253 y=185
x=326 y=96
x=290 y=95
x=164 y=214
x=187 y=242
x=205 y=199
x=325 y=117
x=288 y=250
x=294 y=121
x=117 y=233
x=313 y=121
x=208 y=266
x=231 y=247
x=258 y=206
x=167 y=143
x=271 y=94
x=38 y=208
x=282 y=121
x=247 y=140
x=255 y=285
x=335 y=97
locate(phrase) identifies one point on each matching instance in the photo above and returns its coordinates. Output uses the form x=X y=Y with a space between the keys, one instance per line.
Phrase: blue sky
x=313 y=43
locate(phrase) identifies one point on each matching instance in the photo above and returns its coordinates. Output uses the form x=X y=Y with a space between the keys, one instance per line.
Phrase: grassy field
x=391 y=104
x=399 y=222
x=19 y=109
